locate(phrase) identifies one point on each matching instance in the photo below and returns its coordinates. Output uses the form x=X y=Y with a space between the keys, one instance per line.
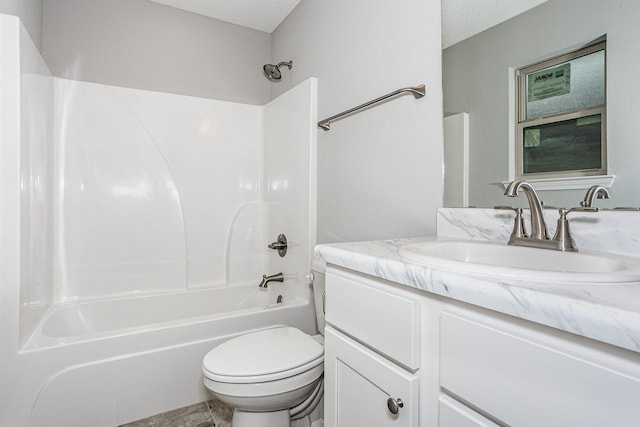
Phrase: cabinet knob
x=394 y=405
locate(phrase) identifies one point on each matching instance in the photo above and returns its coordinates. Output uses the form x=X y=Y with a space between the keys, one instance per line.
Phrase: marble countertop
x=607 y=313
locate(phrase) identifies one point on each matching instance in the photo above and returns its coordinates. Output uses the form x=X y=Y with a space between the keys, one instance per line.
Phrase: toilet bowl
x=270 y=376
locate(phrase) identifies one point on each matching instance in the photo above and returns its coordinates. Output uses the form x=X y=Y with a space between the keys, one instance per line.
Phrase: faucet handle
x=564 y=211
x=563 y=237
x=506 y=208
x=518 y=225
x=280 y=245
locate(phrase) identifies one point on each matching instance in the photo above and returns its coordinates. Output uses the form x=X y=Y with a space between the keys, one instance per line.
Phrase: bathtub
x=111 y=361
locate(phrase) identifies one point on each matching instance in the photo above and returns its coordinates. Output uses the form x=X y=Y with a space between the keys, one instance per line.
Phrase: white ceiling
x=460 y=18
x=262 y=15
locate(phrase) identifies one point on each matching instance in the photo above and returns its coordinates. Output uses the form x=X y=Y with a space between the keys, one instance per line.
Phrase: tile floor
x=212 y=413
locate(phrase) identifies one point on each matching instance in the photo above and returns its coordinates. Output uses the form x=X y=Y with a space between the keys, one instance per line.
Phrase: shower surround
x=134 y=228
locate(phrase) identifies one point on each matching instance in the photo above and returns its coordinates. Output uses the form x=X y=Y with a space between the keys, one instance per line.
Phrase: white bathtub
x=90 y=320
x=107 y=362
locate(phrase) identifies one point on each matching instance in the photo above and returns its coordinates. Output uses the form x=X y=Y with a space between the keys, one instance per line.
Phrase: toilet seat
x=263 y=356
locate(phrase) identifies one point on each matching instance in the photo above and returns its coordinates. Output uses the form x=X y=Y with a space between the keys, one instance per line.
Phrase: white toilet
x=273 y=376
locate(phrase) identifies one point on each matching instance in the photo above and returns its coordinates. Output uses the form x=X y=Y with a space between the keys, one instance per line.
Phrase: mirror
x=478 y=79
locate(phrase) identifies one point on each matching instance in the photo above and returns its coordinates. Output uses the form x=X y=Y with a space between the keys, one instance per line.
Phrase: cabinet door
x=360 y=383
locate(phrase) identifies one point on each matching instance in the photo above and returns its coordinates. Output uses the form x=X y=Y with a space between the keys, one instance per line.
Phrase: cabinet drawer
x=521 y=377
x=367 y=310
x=359 y=383
x=452 y=413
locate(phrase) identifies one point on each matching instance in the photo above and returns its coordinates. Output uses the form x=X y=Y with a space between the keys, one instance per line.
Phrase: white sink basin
x=516 y=262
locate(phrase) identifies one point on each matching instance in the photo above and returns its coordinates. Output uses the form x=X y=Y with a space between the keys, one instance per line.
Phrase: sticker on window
x=548 y=83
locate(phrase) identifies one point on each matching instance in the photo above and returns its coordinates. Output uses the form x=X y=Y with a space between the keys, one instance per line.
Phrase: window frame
x=522 y=123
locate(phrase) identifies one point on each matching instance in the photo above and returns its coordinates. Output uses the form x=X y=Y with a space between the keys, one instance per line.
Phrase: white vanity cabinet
x=452 y=364
x=372 y=353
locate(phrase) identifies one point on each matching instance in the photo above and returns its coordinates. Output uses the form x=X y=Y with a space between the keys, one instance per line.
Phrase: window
x=561 y=129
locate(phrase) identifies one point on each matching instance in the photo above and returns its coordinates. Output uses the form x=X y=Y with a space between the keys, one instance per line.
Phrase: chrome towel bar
x=417 y=91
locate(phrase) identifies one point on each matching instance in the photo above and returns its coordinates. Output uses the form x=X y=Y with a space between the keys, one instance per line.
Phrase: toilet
x=272 y=376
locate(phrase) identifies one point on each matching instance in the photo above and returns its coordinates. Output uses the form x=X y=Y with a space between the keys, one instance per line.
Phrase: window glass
x=574 y=85
x=563 y=146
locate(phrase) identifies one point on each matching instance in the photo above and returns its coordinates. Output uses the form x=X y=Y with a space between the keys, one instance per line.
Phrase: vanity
x=411 y=342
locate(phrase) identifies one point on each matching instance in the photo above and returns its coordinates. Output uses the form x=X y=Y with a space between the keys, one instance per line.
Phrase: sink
x=500 y=260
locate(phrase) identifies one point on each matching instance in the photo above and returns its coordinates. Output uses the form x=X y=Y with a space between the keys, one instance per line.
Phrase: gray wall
x=379 y=171
x=145 y=45
x=30 y=13
x=476 y=80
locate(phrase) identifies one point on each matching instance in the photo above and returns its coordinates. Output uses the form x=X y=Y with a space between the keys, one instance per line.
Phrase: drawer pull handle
x=394 y=405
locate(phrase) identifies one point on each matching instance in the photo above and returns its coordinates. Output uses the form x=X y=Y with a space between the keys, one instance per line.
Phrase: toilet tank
x=319 y=269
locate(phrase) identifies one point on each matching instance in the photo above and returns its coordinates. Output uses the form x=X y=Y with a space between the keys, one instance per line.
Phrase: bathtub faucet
x=279 y=277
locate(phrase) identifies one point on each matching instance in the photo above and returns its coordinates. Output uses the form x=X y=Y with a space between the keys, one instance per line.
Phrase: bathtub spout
x=279 y=277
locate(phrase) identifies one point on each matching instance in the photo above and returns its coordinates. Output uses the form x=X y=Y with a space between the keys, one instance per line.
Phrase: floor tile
x=221 y=413
x=197 y=415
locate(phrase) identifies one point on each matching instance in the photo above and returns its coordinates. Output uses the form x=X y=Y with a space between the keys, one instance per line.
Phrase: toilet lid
x=264 y=353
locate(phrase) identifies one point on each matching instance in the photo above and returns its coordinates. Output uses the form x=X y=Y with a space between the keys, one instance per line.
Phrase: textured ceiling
x=462 y=19
x=262 y=15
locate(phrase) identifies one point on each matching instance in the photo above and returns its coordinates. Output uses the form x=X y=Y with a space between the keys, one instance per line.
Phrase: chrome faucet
x=562 y=240
x=594 y=191
x=538 y=225
x=279 y=277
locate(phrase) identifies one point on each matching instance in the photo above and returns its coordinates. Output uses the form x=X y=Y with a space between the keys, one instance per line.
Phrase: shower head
x=273 y=71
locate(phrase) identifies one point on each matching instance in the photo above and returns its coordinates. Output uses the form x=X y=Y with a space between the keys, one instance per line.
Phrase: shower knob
x=394 y=405
x=280 y=245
